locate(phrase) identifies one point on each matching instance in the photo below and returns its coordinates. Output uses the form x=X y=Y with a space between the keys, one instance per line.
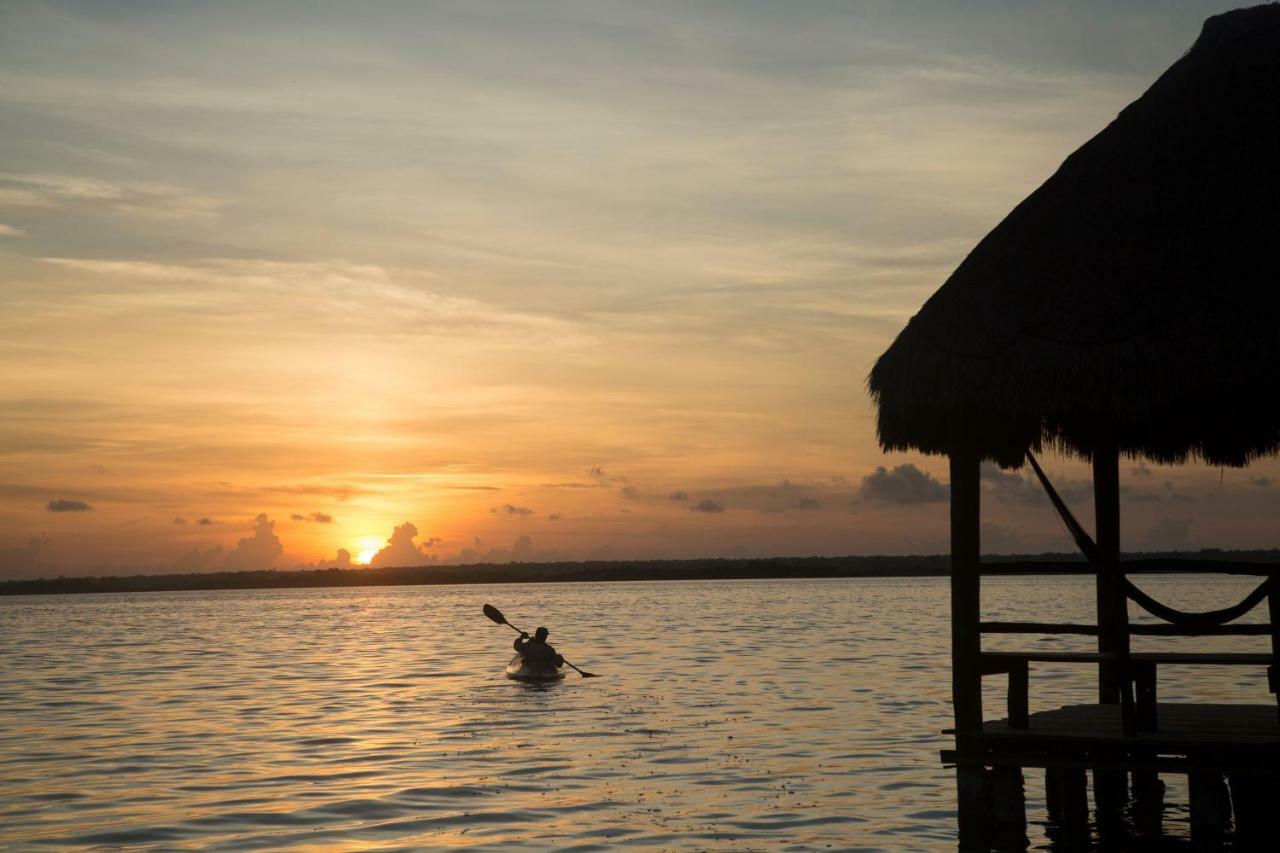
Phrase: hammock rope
x=1078 y=534
x=1162 y=611
x=1196 y=620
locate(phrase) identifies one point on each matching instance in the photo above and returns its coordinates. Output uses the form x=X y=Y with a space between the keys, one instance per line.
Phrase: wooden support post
x=1018 y=698
x=1255 y=801
x=1210 y=809
x=973 y=811
x=1148 y=802
x=1110 y=795
x=1067 y=797
x=966 y=646
x=1145 y=678
x=1110 y=591
x=1148 y=790
x=1110 y=786
x=1273 y=610
x=1053 y=794
x=1009 y=808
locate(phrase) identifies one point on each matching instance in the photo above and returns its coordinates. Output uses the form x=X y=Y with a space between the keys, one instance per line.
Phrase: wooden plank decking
x=1181 y=726
x=1191 y=736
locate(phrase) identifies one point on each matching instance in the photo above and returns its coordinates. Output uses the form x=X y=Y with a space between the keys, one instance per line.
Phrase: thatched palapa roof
x=1135 y=296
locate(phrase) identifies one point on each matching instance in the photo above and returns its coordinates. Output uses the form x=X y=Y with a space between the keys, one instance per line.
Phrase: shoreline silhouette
x=764 y=568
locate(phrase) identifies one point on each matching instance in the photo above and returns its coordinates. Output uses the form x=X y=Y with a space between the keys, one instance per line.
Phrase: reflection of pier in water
x=1126 y=308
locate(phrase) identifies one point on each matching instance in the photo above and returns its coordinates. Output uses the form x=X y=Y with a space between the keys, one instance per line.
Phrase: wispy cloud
x=140 y=198
x=318 y=297
x=64 y=505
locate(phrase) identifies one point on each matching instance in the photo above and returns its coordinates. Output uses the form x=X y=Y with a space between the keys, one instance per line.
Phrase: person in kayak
x=537 y=651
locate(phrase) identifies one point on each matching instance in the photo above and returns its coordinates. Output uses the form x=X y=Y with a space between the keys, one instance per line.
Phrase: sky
x=313 y=284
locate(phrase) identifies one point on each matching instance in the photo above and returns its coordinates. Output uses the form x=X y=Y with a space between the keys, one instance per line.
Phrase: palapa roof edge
x=1133 y=297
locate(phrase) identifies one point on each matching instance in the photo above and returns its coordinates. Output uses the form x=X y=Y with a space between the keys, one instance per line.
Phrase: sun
x=368 y=546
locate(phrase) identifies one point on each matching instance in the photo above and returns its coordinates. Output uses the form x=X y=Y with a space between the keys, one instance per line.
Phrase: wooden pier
x=1230 y=753
x=1125 y=309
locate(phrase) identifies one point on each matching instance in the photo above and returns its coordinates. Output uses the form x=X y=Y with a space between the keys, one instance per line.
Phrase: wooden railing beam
x=1160 y=566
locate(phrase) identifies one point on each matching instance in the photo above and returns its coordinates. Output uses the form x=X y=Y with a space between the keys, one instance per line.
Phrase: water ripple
x=809 y=719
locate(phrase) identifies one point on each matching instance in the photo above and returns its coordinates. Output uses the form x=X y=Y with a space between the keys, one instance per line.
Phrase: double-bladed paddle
x=496 y=615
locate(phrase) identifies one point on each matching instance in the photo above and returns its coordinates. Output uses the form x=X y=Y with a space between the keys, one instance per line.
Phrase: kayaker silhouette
x=535 y=659
x=537 y=651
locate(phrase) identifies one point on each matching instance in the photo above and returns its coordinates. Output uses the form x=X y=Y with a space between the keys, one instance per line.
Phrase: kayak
x=522 y=670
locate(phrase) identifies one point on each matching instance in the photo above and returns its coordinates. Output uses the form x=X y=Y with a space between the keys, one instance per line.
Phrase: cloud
x=521 y=551
x=555 y=516
x=905 y=484
x=257 y=551
x=140 y=198
x=325 y=298
x=177 y=519
x=1140 y=470
x=28 y=560
x=11 y=231
x=512 y=510
x=341 y=492
x=1260 y=482
x=401 y=550
x=318 y=517
x=708 y=505
x=603 y=478
x=201 y=560
x=341 y=561
x=629 y=492
x=1014 y=487
x=206 y=521
x=64 y=505
x=771 y=498
x=1171 y=534
x=15 y=197
x=1166 y=494
x=1000 y=539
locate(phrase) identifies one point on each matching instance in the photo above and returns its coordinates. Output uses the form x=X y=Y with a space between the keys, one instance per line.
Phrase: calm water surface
x=779 y=715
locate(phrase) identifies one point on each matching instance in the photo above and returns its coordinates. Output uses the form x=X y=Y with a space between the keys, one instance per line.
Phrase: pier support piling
x=1148 y=802
x=1210 y=809
x=1255 y=803
x=1067 y=791
x=1009 y=807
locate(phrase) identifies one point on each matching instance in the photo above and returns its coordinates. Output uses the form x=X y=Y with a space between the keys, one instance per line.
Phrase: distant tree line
x=619 y=570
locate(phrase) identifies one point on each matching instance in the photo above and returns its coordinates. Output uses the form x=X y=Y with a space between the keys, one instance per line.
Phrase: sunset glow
x=539 y=299
x=368 y=546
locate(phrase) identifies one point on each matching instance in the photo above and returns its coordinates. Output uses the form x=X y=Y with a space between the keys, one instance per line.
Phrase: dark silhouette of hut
x=1128 y=307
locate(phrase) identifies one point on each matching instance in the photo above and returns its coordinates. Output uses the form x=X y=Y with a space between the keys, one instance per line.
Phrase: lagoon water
x=735 y=715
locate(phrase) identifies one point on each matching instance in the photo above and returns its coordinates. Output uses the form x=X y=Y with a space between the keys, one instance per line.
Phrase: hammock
x=1197 y=620
x=1176 y=617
